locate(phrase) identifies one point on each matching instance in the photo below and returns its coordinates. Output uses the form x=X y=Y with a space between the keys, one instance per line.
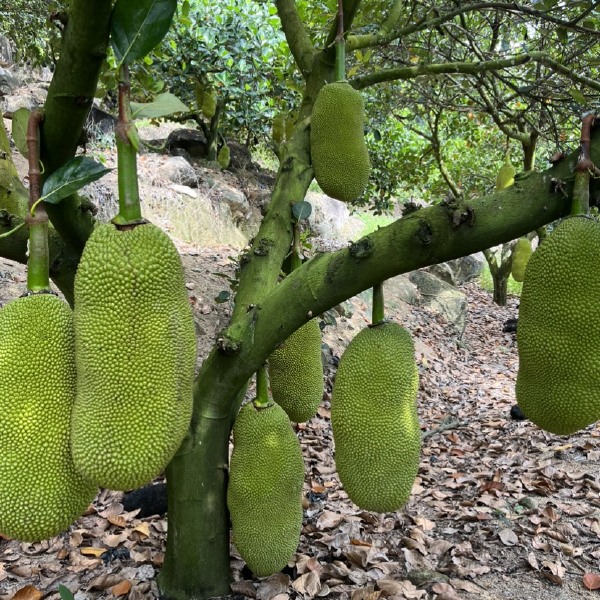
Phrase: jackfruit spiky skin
x=558 y=338
x=374 y=418
x=224 y=157
x=520 y=257
x=264 y=494
x=41 y=492
x=296 y=373
x=337 y=143
x=209 y=104
x=506 y=175
x=136 y=350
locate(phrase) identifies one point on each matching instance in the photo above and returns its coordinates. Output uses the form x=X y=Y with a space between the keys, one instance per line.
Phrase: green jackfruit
x=136 y=350
x=296 y=373
x=41 y=492
x=520 y=257
x=264 y=494
x=209 y=104
x=290 y=124
x=337 y=143
x=278 y=132
x=374 y=418
x=506 y=174
x=224 y=156
x=559 y=333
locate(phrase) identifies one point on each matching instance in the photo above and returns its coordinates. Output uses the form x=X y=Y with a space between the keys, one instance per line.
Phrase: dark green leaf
x=223 y=297
x=164 y=105
x=137 y=26
x=65 y=593
x=301 y=210
x=578 y=96
x=72 y=176
x=19 y=130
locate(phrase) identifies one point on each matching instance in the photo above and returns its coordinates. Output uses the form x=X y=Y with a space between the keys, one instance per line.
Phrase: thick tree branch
x=298 y=40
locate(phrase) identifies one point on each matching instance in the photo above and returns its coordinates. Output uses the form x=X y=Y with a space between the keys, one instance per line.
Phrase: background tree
x=197 y=559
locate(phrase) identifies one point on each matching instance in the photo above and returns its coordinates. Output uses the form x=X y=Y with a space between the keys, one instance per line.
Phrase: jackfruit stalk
x=337 y=143
x=374 y=418
x=41 y=491
x=296 y=373
x=558 y=337
x=136 y=350
x=264 y=494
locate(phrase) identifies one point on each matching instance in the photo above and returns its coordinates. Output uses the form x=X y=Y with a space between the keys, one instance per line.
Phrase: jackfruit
x=224 y=156
x=278 y=132
x=337 y=143
x=558 y=338
x=290 y=125
x=506 y=174
x=520 y=257
x=264 y=494
x=135 y=349
x=374 y=418
x=41 y=492
x=209 y=103
x=296 y=373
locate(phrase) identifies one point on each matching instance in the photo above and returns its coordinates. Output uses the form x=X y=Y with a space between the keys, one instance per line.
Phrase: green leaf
x=223 y=297
x=65 y=593
x=19 y=130
x=72 y=176
x=134 y=138
x=563 y=35
x=578 y=96
x=164 y=105
x=137 y=26
x=301 y=210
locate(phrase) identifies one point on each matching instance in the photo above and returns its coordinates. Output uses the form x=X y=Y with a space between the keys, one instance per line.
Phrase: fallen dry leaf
x=591 y=581
x=29 y=592
x=120 y=589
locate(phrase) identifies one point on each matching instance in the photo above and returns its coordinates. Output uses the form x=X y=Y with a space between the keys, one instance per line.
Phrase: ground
x=499 y=510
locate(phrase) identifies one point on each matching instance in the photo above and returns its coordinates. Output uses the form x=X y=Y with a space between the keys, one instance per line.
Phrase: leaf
x=508 y=537
x=72 y=176
x=137 y=26
x=19 y=130
x=223 y=297
x=301 y=210
x=90 y=551
x=65 y=593
x=121 y=588
x=29 y=592
x=591 y=581
x=164 y=105
x=578 y=96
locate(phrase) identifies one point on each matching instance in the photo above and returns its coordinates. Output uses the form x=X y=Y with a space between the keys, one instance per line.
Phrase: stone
x=8 y=82
x=443 y=271
x=331 y=219
x=179 y=171
x=191 y=140
x=467 y=268
x=6 y=52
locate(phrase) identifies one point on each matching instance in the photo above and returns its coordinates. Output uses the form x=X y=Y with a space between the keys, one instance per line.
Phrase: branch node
x=363 y=248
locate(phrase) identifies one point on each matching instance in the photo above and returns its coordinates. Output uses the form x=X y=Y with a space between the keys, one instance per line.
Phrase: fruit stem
x=38 y=263
x=580 y=205
x=378 y=314
x=340 y=45
x=296 y=260
x=125 y=133
x=262 y=387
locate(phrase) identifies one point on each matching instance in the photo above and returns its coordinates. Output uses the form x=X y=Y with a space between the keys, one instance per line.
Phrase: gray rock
x=467 y=268
x=178 y=170
x=191 y=140
x=232 y=197
x=403 y=288
x=6 y=53
x=8 y=82
x=12 y=103
x=331 y=219
x=443 y=271
x=442 y=298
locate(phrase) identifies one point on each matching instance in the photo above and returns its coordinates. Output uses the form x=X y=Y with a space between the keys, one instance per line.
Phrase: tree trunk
x=500 y=280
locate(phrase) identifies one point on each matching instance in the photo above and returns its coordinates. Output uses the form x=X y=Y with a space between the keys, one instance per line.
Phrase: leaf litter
x=500 y=509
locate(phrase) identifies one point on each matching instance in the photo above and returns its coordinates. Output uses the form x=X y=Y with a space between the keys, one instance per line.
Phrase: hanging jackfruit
x=278 y=132
x=136 y=351
x=520 y=257
x=337 y=143
x=506 y=174
x=296 y=373
x=209 y=103
x=224 y=156
x=264 y=494
x=374 y=418
x=41 y=492
x=290 y=124
x=558 y=337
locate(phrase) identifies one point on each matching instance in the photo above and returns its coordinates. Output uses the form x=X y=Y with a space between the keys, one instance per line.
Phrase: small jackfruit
x=224 y=156
x=296 y=373
x=209 y=103
x=520 y=257
x=41 y=492
x=264 y=494
x=278 y=132
x=290 y=125
x=337 y=143
x=558 y=337
x=374 y=418
x=135 y=350
x=506 y=174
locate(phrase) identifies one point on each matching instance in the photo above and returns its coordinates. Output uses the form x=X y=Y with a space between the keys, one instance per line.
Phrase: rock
x=8 y=82
x=178 y=170
x=99 y=123
x=402 y=288
x=442 y=298
x=331 y=219
x=23 y=98
x=150 y=499
x=467 y=268
x=6 y=54
x=236 y=200
x=443 y=271
x=191 y=140
x=239 y=157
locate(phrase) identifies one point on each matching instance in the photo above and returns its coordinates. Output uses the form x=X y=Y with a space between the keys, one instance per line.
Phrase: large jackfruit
x=520 y=257
x=374 y=418
x=264 y=495
x=296 y=373
x=41 y=492
x=136 y=351
x=558 y=338
x=337 y=143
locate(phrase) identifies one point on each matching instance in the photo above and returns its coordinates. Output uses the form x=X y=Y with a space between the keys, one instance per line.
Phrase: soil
x=499 y=509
